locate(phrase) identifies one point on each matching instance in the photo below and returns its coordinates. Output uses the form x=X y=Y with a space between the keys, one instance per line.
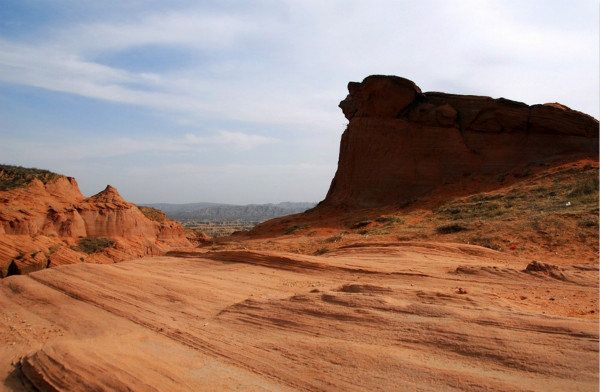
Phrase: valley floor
x=416 y=316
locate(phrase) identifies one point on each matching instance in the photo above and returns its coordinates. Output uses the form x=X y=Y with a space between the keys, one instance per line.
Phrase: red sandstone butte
x=401 y=143
x=40 y=223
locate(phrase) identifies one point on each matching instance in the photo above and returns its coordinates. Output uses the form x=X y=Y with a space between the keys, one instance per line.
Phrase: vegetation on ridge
x=549 y=212
x=154 y=214
x=91 y=245
x=16 y=176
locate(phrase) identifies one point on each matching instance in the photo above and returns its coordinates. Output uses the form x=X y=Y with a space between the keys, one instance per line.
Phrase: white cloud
x=272 y=72
x=237 y=140
x=191 y=29
x=271 y=66
x=88 y=147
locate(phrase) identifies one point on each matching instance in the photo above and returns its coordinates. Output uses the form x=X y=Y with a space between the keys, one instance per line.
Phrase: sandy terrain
x=416 y=316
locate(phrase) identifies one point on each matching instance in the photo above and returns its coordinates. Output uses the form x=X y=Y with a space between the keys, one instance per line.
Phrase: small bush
x=451 y=228
x=91 y=245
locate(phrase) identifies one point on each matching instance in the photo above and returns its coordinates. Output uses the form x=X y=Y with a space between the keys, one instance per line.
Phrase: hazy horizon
x=236 y=102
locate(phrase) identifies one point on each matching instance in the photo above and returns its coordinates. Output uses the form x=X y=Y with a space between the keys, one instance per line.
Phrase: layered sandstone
x=41 y=224
x=396 y=316
x=401 y=143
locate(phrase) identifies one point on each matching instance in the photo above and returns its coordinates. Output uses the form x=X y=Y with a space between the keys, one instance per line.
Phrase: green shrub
x=16 y=176
x=94 y=244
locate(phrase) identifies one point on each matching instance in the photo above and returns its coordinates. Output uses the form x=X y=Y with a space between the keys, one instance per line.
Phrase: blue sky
x=236 y=101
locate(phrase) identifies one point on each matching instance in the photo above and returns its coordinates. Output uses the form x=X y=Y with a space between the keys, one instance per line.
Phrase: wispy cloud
x=87 y=147
x=190 y=29
x=237 y=140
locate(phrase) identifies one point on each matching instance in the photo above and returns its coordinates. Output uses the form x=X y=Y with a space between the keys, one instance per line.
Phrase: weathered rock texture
x=402 y=143
x=409 y=316
x=41 y=224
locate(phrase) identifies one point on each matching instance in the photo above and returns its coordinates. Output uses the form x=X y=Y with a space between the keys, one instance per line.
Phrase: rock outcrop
x=401 y=143
x=42 y=223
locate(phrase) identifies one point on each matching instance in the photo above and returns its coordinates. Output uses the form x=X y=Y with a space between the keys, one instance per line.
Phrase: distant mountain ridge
x=230 y=212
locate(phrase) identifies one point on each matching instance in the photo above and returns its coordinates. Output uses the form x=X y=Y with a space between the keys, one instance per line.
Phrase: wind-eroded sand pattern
x=409 y=316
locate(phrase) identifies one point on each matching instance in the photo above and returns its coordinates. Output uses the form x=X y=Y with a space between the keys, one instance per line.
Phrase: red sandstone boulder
x=401 y=143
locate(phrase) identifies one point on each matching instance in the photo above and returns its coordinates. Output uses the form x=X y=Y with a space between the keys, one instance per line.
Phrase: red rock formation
x=40 y=223
x=402 y=143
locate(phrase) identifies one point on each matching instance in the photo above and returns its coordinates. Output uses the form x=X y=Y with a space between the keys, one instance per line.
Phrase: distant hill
x=230 y=212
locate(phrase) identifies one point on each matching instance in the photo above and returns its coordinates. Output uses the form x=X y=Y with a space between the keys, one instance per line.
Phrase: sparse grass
x=486 y=242
x=530 y=217
x=388 y=219
x=335 y=238
x=586 y=186
x=295 y=228
x=91 y=245
x=475 y=207
x=154 y=214
x=16 y=176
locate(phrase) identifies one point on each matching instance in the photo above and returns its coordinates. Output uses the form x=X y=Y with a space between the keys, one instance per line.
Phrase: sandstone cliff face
x=401 y=143
x=40 y=224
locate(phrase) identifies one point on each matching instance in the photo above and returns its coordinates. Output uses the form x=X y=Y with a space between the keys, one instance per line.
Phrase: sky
x=236 y=101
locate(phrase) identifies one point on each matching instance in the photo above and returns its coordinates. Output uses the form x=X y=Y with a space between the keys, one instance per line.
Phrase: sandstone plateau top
x=401 y=143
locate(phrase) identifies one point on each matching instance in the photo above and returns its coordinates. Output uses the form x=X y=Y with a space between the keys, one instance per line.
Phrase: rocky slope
x=452 y=168
x=401 y=143
x=42 y=224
